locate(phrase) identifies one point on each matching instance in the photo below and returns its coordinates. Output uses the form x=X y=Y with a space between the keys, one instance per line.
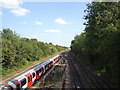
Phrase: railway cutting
x=64 y=71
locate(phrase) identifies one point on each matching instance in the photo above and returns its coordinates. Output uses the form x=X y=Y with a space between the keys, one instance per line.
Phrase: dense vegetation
x=99 y=44
x=17 y=51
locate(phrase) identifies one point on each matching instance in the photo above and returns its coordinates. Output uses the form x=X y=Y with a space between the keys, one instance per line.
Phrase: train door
x=29 y=80
x=43 y=69
x=29 y=77
x=33 y=77
x=37 y=73
x=51 y=64
x=41 y=72
x=55 y=60
x=46 y=67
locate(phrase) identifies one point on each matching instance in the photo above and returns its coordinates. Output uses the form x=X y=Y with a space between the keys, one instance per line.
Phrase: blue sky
x=56 y=22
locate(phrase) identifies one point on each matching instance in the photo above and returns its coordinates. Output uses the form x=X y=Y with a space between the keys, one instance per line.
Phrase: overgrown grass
x=55 y=80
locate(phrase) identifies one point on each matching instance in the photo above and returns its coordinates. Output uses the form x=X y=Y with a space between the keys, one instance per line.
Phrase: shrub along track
x=81 y=75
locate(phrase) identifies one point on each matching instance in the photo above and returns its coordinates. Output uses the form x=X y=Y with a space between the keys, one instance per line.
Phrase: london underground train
x=28 y=78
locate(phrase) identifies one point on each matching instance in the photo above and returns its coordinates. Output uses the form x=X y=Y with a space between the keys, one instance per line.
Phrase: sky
x=56 y=22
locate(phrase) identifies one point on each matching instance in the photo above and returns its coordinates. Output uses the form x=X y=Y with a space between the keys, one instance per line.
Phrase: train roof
x=51 y=59
x=33 y=68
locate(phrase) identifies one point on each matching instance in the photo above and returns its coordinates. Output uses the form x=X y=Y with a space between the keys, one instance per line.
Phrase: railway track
x=96 y=82
x=81 y=75
x=77 y=82
x=75 y=76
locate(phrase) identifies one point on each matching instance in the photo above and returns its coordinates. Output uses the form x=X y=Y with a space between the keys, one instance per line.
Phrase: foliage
x=17 y=51
x=99 y=45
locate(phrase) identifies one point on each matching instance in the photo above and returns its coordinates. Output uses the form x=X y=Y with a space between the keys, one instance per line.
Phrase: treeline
x=99 y=44
x=17 y=51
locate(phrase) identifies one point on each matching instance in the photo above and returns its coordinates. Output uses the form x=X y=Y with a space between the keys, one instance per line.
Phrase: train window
x=33 y=75
x=29 y=79
x=42 y=69
x=23 y=82
x=38 y=72
x=46 y=67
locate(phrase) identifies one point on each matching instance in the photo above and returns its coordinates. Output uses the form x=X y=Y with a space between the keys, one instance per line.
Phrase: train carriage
x=27 y=79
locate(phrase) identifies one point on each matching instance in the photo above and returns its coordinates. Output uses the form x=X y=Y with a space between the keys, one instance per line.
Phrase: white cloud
x=38 y=22
x=10 y=3
x=20 y=11
x=53 y=30
x=14 y=6
x=61 y=21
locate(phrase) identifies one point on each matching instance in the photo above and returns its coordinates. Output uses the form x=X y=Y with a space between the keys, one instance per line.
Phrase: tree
x=17 y=51
x=99 y=45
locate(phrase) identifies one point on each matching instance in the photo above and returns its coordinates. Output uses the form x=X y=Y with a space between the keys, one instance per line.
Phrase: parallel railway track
x=75 y=77
x=81 y=75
